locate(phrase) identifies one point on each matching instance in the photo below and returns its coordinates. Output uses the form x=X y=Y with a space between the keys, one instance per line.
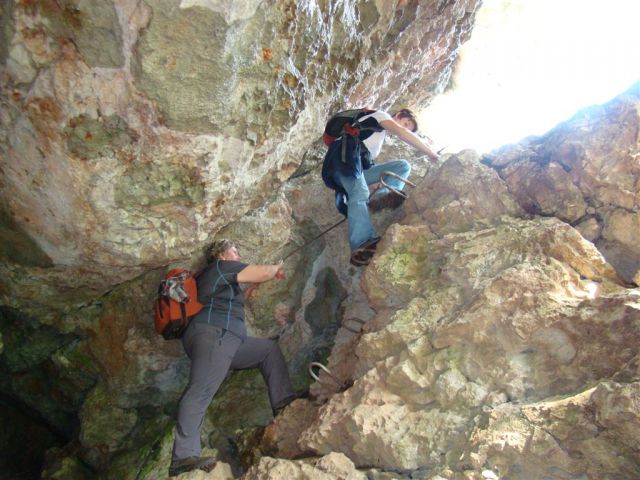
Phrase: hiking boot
x=361 y=256
x=277 y=410
x=191 y=463
x=389 y=200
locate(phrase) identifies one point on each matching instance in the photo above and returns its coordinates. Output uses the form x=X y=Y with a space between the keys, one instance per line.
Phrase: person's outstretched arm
x=259 y=273
x=408 y=137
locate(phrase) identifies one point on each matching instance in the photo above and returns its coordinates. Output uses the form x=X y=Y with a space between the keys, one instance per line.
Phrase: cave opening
x=26 y=437
x=531 y=65
x=44 y=377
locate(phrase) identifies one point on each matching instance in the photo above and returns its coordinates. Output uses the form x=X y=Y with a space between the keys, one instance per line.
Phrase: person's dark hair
x=217 y=248
x=406 y=113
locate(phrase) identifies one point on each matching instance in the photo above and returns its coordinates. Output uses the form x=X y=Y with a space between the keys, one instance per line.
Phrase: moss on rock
x=157 y=184
x=104 y=424
x=62 y=467
x=26 y=343
x=89 y=138
x=46 y=370
x=149 y=456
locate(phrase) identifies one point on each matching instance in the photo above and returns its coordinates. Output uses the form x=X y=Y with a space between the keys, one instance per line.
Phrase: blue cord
x=231 y=291
x=212 y=292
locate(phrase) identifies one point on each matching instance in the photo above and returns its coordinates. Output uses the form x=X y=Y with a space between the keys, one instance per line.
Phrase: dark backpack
x=347 y=127
x=177 y=303
x=346 y=122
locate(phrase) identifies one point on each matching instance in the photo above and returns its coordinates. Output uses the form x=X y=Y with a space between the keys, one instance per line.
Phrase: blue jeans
x=357 y=188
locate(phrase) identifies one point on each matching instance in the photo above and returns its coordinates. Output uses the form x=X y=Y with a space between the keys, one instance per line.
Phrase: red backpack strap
x=349 y=130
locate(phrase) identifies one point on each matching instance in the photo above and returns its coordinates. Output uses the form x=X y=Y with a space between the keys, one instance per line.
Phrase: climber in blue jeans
x=349 y=170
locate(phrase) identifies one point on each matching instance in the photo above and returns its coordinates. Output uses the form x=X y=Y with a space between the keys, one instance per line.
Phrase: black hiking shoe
x=389 y=200
x=191 y=463
x=277 y=410
x=361 y=256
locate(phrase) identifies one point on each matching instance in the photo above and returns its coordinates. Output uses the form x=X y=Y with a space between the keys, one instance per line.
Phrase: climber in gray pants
x=216 y=341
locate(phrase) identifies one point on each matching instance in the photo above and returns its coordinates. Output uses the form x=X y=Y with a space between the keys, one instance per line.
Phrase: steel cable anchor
x=398 y=177
x=341 y=386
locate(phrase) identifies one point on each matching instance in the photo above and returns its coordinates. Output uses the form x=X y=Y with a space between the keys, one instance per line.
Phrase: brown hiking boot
x=389 y=200
x=191 y=463
x=361 y=256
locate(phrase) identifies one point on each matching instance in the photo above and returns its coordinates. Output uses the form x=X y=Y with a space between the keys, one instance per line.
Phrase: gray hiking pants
x=212 y=356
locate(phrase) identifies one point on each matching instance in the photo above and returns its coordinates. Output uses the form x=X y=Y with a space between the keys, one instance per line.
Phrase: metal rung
x=327 y=371
x=398 y=177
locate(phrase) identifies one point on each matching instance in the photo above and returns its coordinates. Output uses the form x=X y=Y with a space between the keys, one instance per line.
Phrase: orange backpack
x=177 y=303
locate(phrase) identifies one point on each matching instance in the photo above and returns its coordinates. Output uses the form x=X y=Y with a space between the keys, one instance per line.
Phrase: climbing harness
x=342 y=386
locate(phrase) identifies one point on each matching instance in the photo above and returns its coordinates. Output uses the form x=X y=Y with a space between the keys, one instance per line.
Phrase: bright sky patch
x=531 y=64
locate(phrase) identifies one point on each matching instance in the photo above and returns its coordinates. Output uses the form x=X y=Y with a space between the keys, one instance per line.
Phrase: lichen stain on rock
x=89 y=138
x=93 y=27
x=267 y=54
x=158 y=184
x=290 y=80
x=42 y=110
x=107 y=344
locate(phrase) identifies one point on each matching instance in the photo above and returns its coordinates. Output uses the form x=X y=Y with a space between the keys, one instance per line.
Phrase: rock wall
x=133 y=133
x=585 y=172
x=494 y=335
x=501 y=345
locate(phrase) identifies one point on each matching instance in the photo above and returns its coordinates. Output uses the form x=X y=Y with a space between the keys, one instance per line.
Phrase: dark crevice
x=44 y=376
x=15 y=404
x=25 y=436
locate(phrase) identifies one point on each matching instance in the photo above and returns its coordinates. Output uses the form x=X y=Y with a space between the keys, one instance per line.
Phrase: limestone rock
x=460 y=195
x=280 y=437
x=334 y=466
x=518 y=312
x=569 y=436
x=585 y=171
x=104 y=424
x=135 y=131
x=487 y=338
x=222 y=471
